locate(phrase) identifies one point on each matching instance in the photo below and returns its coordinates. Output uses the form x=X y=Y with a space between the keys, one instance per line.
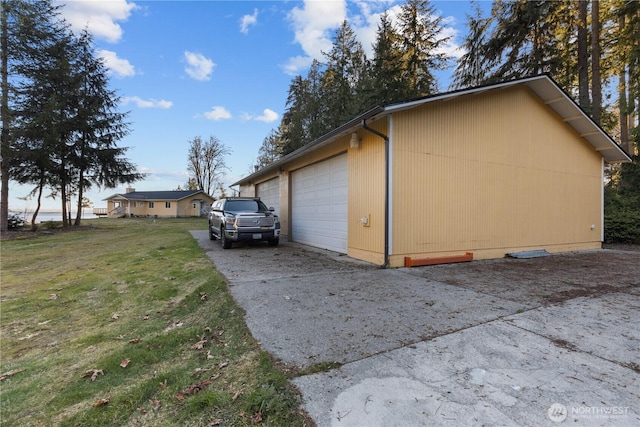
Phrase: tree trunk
x=4 y=142
x=38 y=205
x=623 y=109
x=596 y=85
x=79 y=206
x=583 y=59
x=63 y=196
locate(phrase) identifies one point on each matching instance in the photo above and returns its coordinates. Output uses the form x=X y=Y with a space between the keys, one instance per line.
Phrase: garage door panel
x=319 y=204
x=269 y=193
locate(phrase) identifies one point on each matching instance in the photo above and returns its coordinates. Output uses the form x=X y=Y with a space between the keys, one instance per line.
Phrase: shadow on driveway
x=487 y=342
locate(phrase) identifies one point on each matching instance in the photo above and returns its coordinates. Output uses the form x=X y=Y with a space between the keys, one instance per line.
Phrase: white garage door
x=269 y=193
x=319 y=204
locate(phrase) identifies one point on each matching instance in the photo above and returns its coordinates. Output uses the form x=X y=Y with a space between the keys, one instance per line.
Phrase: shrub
x=622 y=226
x=15 y=221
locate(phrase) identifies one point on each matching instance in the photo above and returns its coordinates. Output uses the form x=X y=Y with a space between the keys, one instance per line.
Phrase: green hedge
x=622 y=226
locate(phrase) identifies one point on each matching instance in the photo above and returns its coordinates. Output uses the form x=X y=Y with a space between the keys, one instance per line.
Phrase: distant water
x=53 y=216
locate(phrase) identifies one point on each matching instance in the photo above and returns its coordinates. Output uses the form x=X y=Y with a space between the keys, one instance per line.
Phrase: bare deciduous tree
x=207 y=163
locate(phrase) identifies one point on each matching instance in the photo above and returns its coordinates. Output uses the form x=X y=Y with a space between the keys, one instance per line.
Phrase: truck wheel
x=211 y=235
x=274 y=242
x=226 y=243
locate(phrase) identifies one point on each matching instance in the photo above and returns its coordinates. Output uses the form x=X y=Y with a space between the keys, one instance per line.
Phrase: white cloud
x=218 y=113
x=268 y=116
x=366 y=24
x=146 y=103
x=198 y=66
x=312 y=25
x=451 y=47
x=99 y=17
x=297 y=63
x=118 y=66
x=248 y=20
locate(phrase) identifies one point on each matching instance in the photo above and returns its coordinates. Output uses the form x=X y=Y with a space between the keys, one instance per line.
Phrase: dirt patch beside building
x=545 y=280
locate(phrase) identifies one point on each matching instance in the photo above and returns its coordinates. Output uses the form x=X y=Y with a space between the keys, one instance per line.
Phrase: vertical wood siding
x=492 y=172
x=366 y=196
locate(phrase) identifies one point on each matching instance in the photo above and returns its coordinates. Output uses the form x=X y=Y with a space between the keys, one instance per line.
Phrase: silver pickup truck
x=243 y=218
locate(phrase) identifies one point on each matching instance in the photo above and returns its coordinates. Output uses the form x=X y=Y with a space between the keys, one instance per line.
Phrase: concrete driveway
x=502 y=342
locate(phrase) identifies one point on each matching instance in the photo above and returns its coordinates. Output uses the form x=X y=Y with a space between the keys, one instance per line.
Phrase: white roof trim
x=543 y=86
x=556 y=99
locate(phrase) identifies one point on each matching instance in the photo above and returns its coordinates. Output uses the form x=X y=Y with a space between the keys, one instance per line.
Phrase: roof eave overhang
x=543 y=86
x=116 y=197
x=556 y=99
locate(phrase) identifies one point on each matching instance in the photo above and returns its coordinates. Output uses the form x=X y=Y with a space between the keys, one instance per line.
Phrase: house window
x=150 y=205
x=167 y=205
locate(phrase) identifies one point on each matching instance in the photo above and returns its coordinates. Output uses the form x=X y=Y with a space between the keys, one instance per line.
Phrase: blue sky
x=214 y=68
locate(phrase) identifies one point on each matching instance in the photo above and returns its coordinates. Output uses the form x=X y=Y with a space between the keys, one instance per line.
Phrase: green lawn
x=127 y=322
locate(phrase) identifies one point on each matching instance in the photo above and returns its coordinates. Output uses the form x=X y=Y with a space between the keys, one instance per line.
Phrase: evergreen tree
x=97 y=160
x=46 y=105
x=523 y=41
x=65 y=125
x=25 y=31
x=345 y=64
x=270 y=150
x=385 y=74
x=422 y=40
x=472 y=68
x=306 y=115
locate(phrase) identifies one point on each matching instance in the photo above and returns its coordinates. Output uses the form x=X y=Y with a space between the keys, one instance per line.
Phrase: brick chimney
x=130 y=190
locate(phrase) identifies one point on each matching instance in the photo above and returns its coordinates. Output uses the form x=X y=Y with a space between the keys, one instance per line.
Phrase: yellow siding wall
x=491 y=173
x=366 y=196
x=182 y=208
x=284 y=204
x=247 y=190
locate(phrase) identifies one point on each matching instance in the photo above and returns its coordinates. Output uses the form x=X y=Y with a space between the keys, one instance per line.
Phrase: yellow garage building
x=509 y=167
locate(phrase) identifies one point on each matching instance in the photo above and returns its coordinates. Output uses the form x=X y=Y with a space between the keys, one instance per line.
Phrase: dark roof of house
x=542 y=85
x=157 y=195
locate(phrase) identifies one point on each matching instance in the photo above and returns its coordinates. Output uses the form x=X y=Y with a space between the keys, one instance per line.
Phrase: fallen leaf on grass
x=173 y=326
x=28 y=336
x=256 y=418
x=135 y=341
x=195 y=388
x=199 y=345
x=142 y=410
x=93 y=373
x=237 y=395
x=125 y=362
x=223 y=364
x=102 y=402
x=115 y=316
x=203 y=296
x=155 y=403
x=10 y=374
x=217 y=422
x=54 y=296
